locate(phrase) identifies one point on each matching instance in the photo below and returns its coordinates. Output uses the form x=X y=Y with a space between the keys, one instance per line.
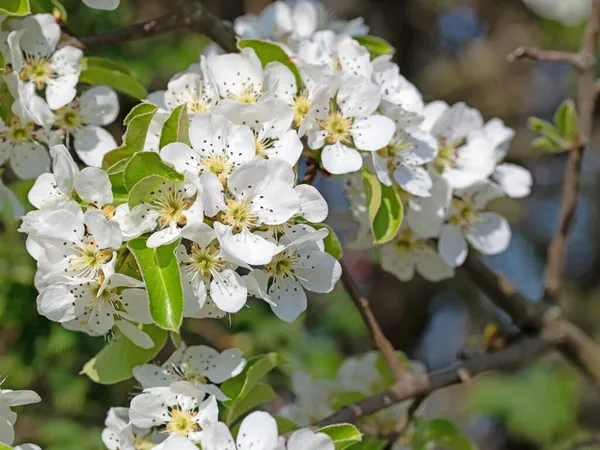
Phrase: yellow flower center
x=205 y=260
x=446 y=156
x=301 y=107
x=37 y=70
x=69 y=118
x=248 y=95
x=170 y=206
x=17 y=132
x=239 y=215
x=142 y=443
x=219 y=165
x=182 y=423
x=337 y=128
x=466 y=214
x=89 y=259
x=197 y=106
x=282 y=264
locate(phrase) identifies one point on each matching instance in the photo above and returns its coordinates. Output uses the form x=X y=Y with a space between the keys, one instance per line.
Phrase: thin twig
x=312 y=170
x=537 y=54
x=417 y=385
x=585 y=62
x=190 y=16
x=381 y=342
x=404 y=423
x=573 y=342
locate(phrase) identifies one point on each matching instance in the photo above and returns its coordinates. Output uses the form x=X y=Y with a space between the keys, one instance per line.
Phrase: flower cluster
x=10 y=399
x=179 y=408
x=47 y=104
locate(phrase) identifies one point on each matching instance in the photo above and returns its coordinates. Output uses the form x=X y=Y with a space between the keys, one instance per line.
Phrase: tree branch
x=585 y=62
x=381 y=342
x=537 y=54
x=572 y=342
x=418 y=385
x=191 y=16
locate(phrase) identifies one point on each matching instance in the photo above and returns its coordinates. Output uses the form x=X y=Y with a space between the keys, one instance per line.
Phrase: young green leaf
x=375 y=45
x=103 y=71
x=342 y=434
x=268 y=52
x=285 y=425
x=388 y=219
x=333 y=246
x=338 y=401
x=145 y=164
x=137 y=121
x=565 y=118
x=238 y=388
x=176 y=128
x=554 y=139
x=545 y=144
x=261 y=393
x=15 y=7
x=160 y=272
x=49 y=6
x=6 y=101
x=144 y=189
x=373 y=193
x=116 y=360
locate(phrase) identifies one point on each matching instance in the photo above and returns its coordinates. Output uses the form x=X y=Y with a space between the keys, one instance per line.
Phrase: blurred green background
x=453 y=50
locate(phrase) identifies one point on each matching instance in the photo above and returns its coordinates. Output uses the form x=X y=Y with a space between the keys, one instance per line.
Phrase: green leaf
x=48 y=6
x=285 y=425
x=144 y=189
x=6 y=101
x=342 y=434
x=5 y=447
x=116 y=360
x=238 y=388
x=375 y=45
x=15 y=7
x=176 y=128
x=160 y=272
x=261 y=393
x=137 y=121
x=389 y=216
x=268 y=52
x=565 y=118
x=373 y=192
x=370 y=444
x=145 y=164
x=546 y=144
x=441 y=431
x=103 y=71
x=333 y=246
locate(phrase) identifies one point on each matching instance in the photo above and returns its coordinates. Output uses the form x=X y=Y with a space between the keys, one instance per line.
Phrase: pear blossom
x=163 y=210
x=21 y=146
x=349 y=126
x=465 y=154
x=239 y=76
x=327 y=53
x=27 y=447
x=54 y=189
x=120 y=434
x=196 y=364
x=78 y=247
x=255 y=199
x=488 y=232
x=218 y=146
x=208 y=271
x=95 y=308
x=405 y=157
x=8 y=400
x=196 y=89
x=82 y=120
x=177 y=410
x=35 y=58
x=301 y=264
x=410 y=252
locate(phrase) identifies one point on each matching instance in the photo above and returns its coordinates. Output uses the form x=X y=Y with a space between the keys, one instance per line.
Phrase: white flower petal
x=99 y=105
x=92 y=143
x=414 y=180
x=516 y=181
x=107 y=234
x=306 y=439
x=165 y=236
x=247 y=247
x=490 y=235
x=313 y=206
x=228 y=364
x=373 y=132
x=148 y=410
x=452 y=246
x=317 y=271
x=228 y=291
x=288 y=299
x=93 y=185
x=258 y=431
x=29 y=160
x=432 y=267
x=134 y=334
x=102 y=4
x=339 y=159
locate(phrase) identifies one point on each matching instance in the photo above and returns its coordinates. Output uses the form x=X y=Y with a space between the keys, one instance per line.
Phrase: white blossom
x=8 y=400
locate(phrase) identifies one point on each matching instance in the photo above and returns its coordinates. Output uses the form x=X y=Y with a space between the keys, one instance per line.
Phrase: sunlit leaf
x=375 y=45
x=389 y=216
x=176 y=128
x=106 y=72
x=161 y=275
x=116 y=360
x=145 y=164
x=342 y=434
x=15 y=7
